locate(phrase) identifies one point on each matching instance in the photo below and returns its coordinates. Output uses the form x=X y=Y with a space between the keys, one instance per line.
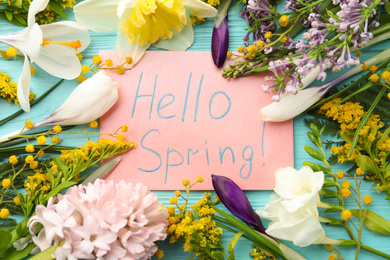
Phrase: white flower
x=140 y=23
x=89 y=101
x=53 y=47
x=293 y=209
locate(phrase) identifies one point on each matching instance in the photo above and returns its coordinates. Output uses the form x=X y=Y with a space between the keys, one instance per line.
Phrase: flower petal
x=200 y=9
x=180 y=41
x=220 y=43
x=67 y=31
x=59 y=61
x=23 y=90
x=124 y=49
x=35 y=7
x=236 y=201
x=98 y=15
x=125 y=5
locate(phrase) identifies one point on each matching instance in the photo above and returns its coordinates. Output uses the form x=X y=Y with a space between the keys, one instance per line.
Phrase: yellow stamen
x=75 y=45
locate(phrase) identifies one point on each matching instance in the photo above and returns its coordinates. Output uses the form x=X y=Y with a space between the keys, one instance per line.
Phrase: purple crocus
x=220 y=43
x=236 y=202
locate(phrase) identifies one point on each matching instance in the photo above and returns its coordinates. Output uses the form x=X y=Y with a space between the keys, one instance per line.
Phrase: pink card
x=188 y=121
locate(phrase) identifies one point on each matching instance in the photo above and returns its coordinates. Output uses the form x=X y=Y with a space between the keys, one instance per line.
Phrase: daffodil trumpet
x=88 y=101
x=162 y=23
x=293 y=105
x=53 y=47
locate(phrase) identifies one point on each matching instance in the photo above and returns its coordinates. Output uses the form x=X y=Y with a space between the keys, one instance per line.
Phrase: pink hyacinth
x=104 y=220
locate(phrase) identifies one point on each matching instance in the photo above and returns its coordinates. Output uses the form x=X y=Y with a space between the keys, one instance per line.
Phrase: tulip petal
x=236 y=201
x=220 y=43
x=124 y=49
x=98 y=15
x=67 y=31
x=35 y=7
x=200 y=9
x=23 y=90
x=59 y=61
x=180 y=41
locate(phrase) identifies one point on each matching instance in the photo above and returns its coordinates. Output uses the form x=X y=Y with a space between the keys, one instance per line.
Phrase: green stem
x=374 y=251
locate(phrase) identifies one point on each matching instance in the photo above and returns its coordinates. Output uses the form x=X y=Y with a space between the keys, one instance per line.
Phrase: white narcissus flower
x=53 y=47
x=293 y=209
x=140 y=23
x=88 y=101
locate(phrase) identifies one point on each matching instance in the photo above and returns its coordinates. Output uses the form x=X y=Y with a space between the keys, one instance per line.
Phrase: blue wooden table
x=106 y=41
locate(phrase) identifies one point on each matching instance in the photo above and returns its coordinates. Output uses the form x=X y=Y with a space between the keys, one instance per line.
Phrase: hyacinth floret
x=104 y=220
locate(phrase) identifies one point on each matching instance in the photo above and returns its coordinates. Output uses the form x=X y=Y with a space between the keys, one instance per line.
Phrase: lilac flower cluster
x=260 y=10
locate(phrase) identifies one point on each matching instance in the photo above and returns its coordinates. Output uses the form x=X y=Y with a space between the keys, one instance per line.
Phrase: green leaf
x=13 y=254
x=57 y=7
x=8 y=15
x=218 y=255
x=233 y=243
x=61 y=165
x=316 y=167
x=366 y=163
x=374 y=222
x=347 y=243
x=335 y=222
x=387 y=7
x=17 y=3
x=329 y=183
x=315 y=131
x=21 y=20
x=384 y=136
x=335 y=17
x=314 y=139
x=5 y=240
x=365 y=119
x=333 y=208
x=313 y=153
x=387 y=171
x=60 y=188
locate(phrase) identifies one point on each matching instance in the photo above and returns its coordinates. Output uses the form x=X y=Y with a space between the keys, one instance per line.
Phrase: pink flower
x=104 y=220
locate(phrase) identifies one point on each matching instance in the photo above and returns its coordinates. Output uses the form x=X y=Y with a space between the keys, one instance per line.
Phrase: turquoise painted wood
x=106 y=41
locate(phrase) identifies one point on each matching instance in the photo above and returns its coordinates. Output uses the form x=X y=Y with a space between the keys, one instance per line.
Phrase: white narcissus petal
x=23 y=90
x=67 y=31
x=98 y=15
x=200 y=9
x=289 y=253
x=125 y=49
x=291 y=105
x=125 y=6
x=59 y=61
x=35 y=7
x=180 y=41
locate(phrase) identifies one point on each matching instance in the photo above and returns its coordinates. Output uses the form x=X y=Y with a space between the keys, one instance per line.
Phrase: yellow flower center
x=152 y=20
x=75 y=45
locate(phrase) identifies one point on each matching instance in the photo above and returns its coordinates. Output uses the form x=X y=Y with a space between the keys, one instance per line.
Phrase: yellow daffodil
x=53 y=47
x=140 y=23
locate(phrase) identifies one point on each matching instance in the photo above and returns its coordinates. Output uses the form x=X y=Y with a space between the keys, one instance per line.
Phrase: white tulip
x=293 y=207
x=89 y=101
x=53 y=47
x=165 y=24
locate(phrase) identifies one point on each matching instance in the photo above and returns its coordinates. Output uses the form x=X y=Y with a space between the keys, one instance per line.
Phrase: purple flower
x=220 y=43
x=236 y=202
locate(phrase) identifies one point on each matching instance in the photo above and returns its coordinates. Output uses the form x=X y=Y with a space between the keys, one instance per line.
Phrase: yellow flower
x=186 y=182
x=34 y=165
x=268 y=35
x=57 y=129
x=55 y=139
x=260 y=44
x=284 y=20
x=93 y=124
x=240 y=49
x=346 y=184
x=124 y=128
x=13 y=160
x=359 y=172
x=32 y=70
x=358 y=53
x=85 y=68
x=329 y=247
x=4 y=213
x=120 y=138
x=96 y=60
x=12 y=52
x=284 y=38
x=41 y=153
x=252 y=48
x=364 y=67
x=81 y=78
x=30 y=148
x=159 y=254
x=332 y=257
x=6 y=183
x=374 y=78
x=172 y=220
x=41 y=140
x=173 y=200
x=129 y=60
x=200 y=179
x=119 y=69
x=29 y=159
x=345 y=193
x=80 y=56
x=109 y=63
x=171 y=210
x=340 y=174
x=28 y=124
x=177 y=193
x=346 y=214
x=373 y=68
x=16 y=200
x=229 y=54
x=367 y=199
x=386 y=76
